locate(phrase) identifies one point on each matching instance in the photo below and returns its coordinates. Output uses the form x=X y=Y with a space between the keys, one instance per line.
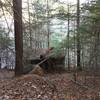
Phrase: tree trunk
x=17 y=8
x=68 y=39
x=0 y=62
x=29 y=17
x=48 y=23
x=78 y=36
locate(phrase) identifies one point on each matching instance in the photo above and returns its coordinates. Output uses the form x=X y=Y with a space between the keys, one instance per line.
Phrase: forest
x=49 y=49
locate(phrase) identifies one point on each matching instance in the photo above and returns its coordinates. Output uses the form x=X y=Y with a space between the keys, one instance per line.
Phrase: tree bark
x=30 y=32
x=78 y=37
x=0 y=62
x=17 y=9
x=68 y=39
x=48 y=23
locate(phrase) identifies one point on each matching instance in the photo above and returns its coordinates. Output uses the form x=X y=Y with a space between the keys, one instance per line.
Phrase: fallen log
x=48 y=64
x=37 y=70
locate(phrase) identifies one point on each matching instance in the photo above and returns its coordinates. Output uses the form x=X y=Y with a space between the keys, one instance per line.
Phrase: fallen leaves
x=47 y=87
x=28 y=87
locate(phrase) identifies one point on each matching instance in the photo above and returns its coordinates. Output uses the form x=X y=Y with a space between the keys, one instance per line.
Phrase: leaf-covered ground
x=48 y=87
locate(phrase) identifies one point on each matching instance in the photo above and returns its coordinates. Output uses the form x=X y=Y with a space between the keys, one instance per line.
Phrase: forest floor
x=58 y=86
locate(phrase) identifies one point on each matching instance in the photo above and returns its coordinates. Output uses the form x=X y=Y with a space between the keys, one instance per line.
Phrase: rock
x=37 y=70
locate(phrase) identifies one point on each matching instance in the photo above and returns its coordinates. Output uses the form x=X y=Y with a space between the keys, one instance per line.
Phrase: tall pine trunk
x=17 y=9
x=78 y=37
x=48 y=23
x=68 y=38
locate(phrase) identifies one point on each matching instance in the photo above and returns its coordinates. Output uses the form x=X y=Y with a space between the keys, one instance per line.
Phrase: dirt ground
x=58 y=86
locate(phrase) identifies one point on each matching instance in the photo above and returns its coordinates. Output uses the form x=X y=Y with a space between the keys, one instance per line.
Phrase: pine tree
x=17 y=8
